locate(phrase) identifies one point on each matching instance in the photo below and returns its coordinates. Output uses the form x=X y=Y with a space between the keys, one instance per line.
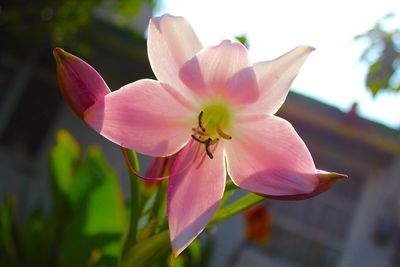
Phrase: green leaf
x=195 y=252
x=36 y=238
x=230 y=188
x=98 y=222
x=236 y=207
x=243 y=40
x=129 y=8
x=149 y=250
x=63 y=161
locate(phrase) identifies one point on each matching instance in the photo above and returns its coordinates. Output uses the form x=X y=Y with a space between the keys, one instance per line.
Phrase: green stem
x=134 y=203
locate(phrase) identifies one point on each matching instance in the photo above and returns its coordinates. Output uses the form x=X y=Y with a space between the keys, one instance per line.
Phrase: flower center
x=212 y=122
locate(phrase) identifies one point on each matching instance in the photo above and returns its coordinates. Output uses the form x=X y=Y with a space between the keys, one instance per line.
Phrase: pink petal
x=80 y=84
x=142 y=116
x=222 y=70
x=325 y=182
x=196 y=186
x=268 y=157
x=171 y=42
x=275 y=78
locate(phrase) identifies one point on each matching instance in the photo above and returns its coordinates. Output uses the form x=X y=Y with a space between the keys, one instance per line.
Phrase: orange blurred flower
x=258 y=223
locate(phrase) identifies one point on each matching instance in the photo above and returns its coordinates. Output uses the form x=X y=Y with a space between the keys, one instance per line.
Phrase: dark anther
x=201 y=122
x=208 y=151
x=198 y=139
x=208 y=142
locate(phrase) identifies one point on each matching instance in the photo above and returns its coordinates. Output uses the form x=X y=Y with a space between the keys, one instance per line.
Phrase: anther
x=198 y=139
x=222 y=134
x=201 y=122
x=208 y=142
x=208 y=151
x=200 y=133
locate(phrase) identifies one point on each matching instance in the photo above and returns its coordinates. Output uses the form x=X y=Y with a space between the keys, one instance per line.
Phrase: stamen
x=214 y=141
x=200 y=133
x=198 y=139
x=222 y=134
x=201 y=122
x=208 y=151
x=207 y=143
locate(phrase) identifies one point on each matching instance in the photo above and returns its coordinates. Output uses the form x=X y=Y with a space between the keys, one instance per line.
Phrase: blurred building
x=354 y=224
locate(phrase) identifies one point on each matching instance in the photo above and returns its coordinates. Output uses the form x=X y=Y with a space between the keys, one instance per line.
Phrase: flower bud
x=80 y=84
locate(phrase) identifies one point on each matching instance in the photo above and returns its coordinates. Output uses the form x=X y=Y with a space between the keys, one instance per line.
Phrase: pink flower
x=216 y=108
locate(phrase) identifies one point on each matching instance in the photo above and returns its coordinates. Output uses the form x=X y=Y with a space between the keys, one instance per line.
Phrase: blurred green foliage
x=62 y=22
x=383 y=58
x=87 y=217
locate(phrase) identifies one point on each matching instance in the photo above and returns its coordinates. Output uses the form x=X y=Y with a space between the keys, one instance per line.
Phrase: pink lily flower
x=213 y=107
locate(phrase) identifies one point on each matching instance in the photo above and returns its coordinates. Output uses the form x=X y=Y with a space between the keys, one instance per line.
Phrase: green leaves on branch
x=383 y=57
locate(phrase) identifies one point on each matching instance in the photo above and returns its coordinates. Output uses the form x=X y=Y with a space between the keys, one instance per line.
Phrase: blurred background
x=345 y=105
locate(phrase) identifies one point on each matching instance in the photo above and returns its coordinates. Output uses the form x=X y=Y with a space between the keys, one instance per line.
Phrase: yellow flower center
x=216 y=116
x=213 y=122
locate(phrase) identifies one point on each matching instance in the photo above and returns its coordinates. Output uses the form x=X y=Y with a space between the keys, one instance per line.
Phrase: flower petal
x=80 y=84
x=275 y=78
x=222 y=70
x=326 y=181
x=269 y=158
x=142 y=116
x=171 y=42
x=196 y=186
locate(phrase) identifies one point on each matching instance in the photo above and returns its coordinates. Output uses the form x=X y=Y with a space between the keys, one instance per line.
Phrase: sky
x=333 y=74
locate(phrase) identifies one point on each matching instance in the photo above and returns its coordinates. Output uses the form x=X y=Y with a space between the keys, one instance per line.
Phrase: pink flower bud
x=80 y=84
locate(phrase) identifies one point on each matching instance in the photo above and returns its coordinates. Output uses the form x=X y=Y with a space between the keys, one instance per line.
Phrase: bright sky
x=333 y=74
